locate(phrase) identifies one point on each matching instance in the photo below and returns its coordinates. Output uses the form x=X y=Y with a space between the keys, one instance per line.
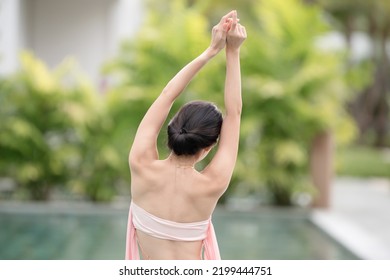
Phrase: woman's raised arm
x=144 y=148
x=222 y=165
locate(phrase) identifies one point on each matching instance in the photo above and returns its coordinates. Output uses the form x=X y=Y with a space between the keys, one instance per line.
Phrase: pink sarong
x=165 y=229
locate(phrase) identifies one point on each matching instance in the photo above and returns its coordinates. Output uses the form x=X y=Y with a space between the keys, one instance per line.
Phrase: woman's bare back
x=176 y=193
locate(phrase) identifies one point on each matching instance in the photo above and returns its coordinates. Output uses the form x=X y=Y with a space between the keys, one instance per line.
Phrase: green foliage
x=146 y=64
x=57 y=131
x=50 y=133
x=292 y=89
x=369 y=77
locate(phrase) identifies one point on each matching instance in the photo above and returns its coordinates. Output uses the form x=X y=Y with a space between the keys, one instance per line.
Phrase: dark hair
x=197 y=125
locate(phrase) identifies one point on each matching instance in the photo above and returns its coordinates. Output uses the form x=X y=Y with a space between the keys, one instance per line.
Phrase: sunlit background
x=312 y=180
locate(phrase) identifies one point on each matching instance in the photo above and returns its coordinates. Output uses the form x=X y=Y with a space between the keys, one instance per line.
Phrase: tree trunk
x=382 y=113
x=321 y=167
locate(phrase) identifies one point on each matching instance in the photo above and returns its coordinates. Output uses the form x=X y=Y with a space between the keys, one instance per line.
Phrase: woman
x=172 y=203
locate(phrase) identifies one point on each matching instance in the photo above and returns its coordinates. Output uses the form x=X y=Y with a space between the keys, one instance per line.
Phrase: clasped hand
x=228 y=32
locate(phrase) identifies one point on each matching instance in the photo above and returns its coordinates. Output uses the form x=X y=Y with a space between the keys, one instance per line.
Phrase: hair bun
x=183 y=131
x=197 y=125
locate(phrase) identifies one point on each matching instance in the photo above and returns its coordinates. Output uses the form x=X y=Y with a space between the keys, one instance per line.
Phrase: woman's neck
x=183 y=161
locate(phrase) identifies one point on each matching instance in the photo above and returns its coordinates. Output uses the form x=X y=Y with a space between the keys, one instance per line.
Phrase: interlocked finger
x=226 y=17
x=242 y=30
x=234 y=21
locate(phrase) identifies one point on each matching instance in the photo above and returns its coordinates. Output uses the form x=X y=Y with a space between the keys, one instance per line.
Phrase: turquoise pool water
x=98 y=232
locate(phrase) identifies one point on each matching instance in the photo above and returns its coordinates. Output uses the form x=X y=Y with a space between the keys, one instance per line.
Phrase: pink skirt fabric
x=210 y=244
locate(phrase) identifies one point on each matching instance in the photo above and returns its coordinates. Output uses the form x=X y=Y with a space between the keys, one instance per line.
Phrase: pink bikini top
x=164 y=229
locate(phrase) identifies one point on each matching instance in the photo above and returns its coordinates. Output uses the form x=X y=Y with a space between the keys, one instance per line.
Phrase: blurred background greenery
x=59 y=134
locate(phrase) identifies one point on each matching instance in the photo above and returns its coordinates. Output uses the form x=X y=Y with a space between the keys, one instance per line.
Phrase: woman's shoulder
x=142 y=167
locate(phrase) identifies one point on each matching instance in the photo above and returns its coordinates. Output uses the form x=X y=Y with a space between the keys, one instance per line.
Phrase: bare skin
x=171 y=188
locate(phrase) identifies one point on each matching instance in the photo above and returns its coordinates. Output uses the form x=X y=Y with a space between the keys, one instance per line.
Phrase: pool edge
x=353 y=237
